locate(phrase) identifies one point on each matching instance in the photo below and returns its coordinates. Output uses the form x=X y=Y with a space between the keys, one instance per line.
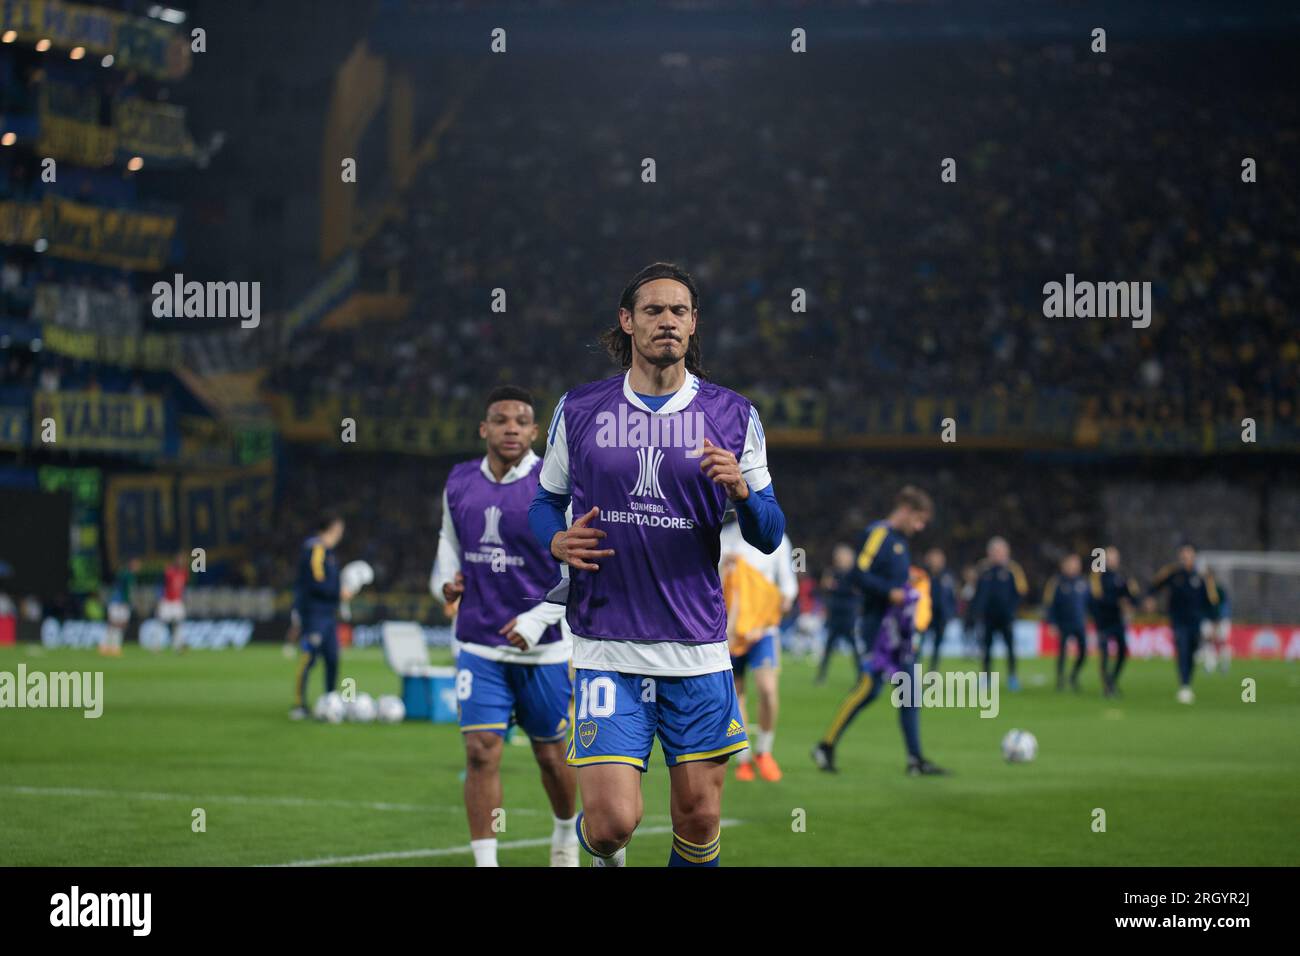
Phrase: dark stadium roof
x=415 y=28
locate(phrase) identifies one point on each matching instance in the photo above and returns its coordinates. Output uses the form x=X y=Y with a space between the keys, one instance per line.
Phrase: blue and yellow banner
x=14 y=421
x=101 y=421
x=20 y=223
x=137 y=43
x=153 y=516
x=146 y=351
x=419 y=427
x=75 y=141
x=110 y=237
x=156 y=131
x=121 y=238
x=802 y=418
x=70 y=128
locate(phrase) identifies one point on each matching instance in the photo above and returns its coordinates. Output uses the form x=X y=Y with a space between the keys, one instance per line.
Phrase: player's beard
x=660 y=357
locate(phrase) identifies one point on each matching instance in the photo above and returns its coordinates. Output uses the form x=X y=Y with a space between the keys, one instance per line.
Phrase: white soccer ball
x=391 y=709
x=363 y=709
x=330 y=708
x=1019 y=746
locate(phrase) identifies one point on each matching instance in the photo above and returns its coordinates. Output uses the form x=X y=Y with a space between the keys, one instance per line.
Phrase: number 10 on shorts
x=596 y=697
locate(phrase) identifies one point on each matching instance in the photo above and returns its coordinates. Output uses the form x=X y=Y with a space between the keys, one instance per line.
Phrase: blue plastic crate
x=431 y=695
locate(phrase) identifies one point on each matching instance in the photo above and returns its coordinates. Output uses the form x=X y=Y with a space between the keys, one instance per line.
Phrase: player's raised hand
x=721 y=465
x=578 y=547
x=452 y=590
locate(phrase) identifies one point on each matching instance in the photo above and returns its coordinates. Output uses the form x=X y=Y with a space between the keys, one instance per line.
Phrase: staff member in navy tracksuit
x=317 y=595
x=998 y=592
x=1065 y=604
x=1193 y=598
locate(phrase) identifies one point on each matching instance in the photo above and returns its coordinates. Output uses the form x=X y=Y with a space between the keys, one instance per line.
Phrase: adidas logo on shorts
x=735 y=728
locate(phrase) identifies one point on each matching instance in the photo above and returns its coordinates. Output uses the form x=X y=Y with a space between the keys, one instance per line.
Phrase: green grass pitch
x=1210 y=784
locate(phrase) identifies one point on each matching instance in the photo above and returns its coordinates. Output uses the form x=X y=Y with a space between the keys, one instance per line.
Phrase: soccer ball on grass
x=330 y=708
x=1019 y=746
x=362 y=710
x=391 y=709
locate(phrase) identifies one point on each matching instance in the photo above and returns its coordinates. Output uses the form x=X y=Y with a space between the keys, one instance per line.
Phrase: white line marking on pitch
x=89 y=792
x=241 y=799
x=455 y=850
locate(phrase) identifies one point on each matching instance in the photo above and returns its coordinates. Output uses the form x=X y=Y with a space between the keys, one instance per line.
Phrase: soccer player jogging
x=1112 y=596
x=512 y=660
x=842 y=600
x=998 y=593
x=1065 y=604
x=119 y=608
x=318 y=593
x=943 y=599
x=1218 y=631
x=758 y=589
x=892 y=652
x=1193 y=598
x=882 y=573
x=171 y=609
x=651 y=460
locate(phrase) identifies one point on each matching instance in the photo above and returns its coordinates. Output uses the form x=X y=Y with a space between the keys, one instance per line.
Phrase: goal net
x=1263 y=586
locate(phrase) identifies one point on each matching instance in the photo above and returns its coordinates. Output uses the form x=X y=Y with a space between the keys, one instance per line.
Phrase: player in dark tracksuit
x=881 y=574
x=1111 y=594
x=1193 y=599
x=317 y=595
x=943 y=599
x=842 y=599
x=1217 y=651
x=998 y=593
x=893 y=652
x=1065 y=603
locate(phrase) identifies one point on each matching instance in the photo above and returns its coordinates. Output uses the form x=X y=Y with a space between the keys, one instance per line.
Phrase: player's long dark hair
x=619 y=343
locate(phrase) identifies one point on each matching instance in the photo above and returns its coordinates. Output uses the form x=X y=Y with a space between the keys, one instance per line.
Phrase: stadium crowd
x=826 y=177
x=915 y=286
x=823 y=176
